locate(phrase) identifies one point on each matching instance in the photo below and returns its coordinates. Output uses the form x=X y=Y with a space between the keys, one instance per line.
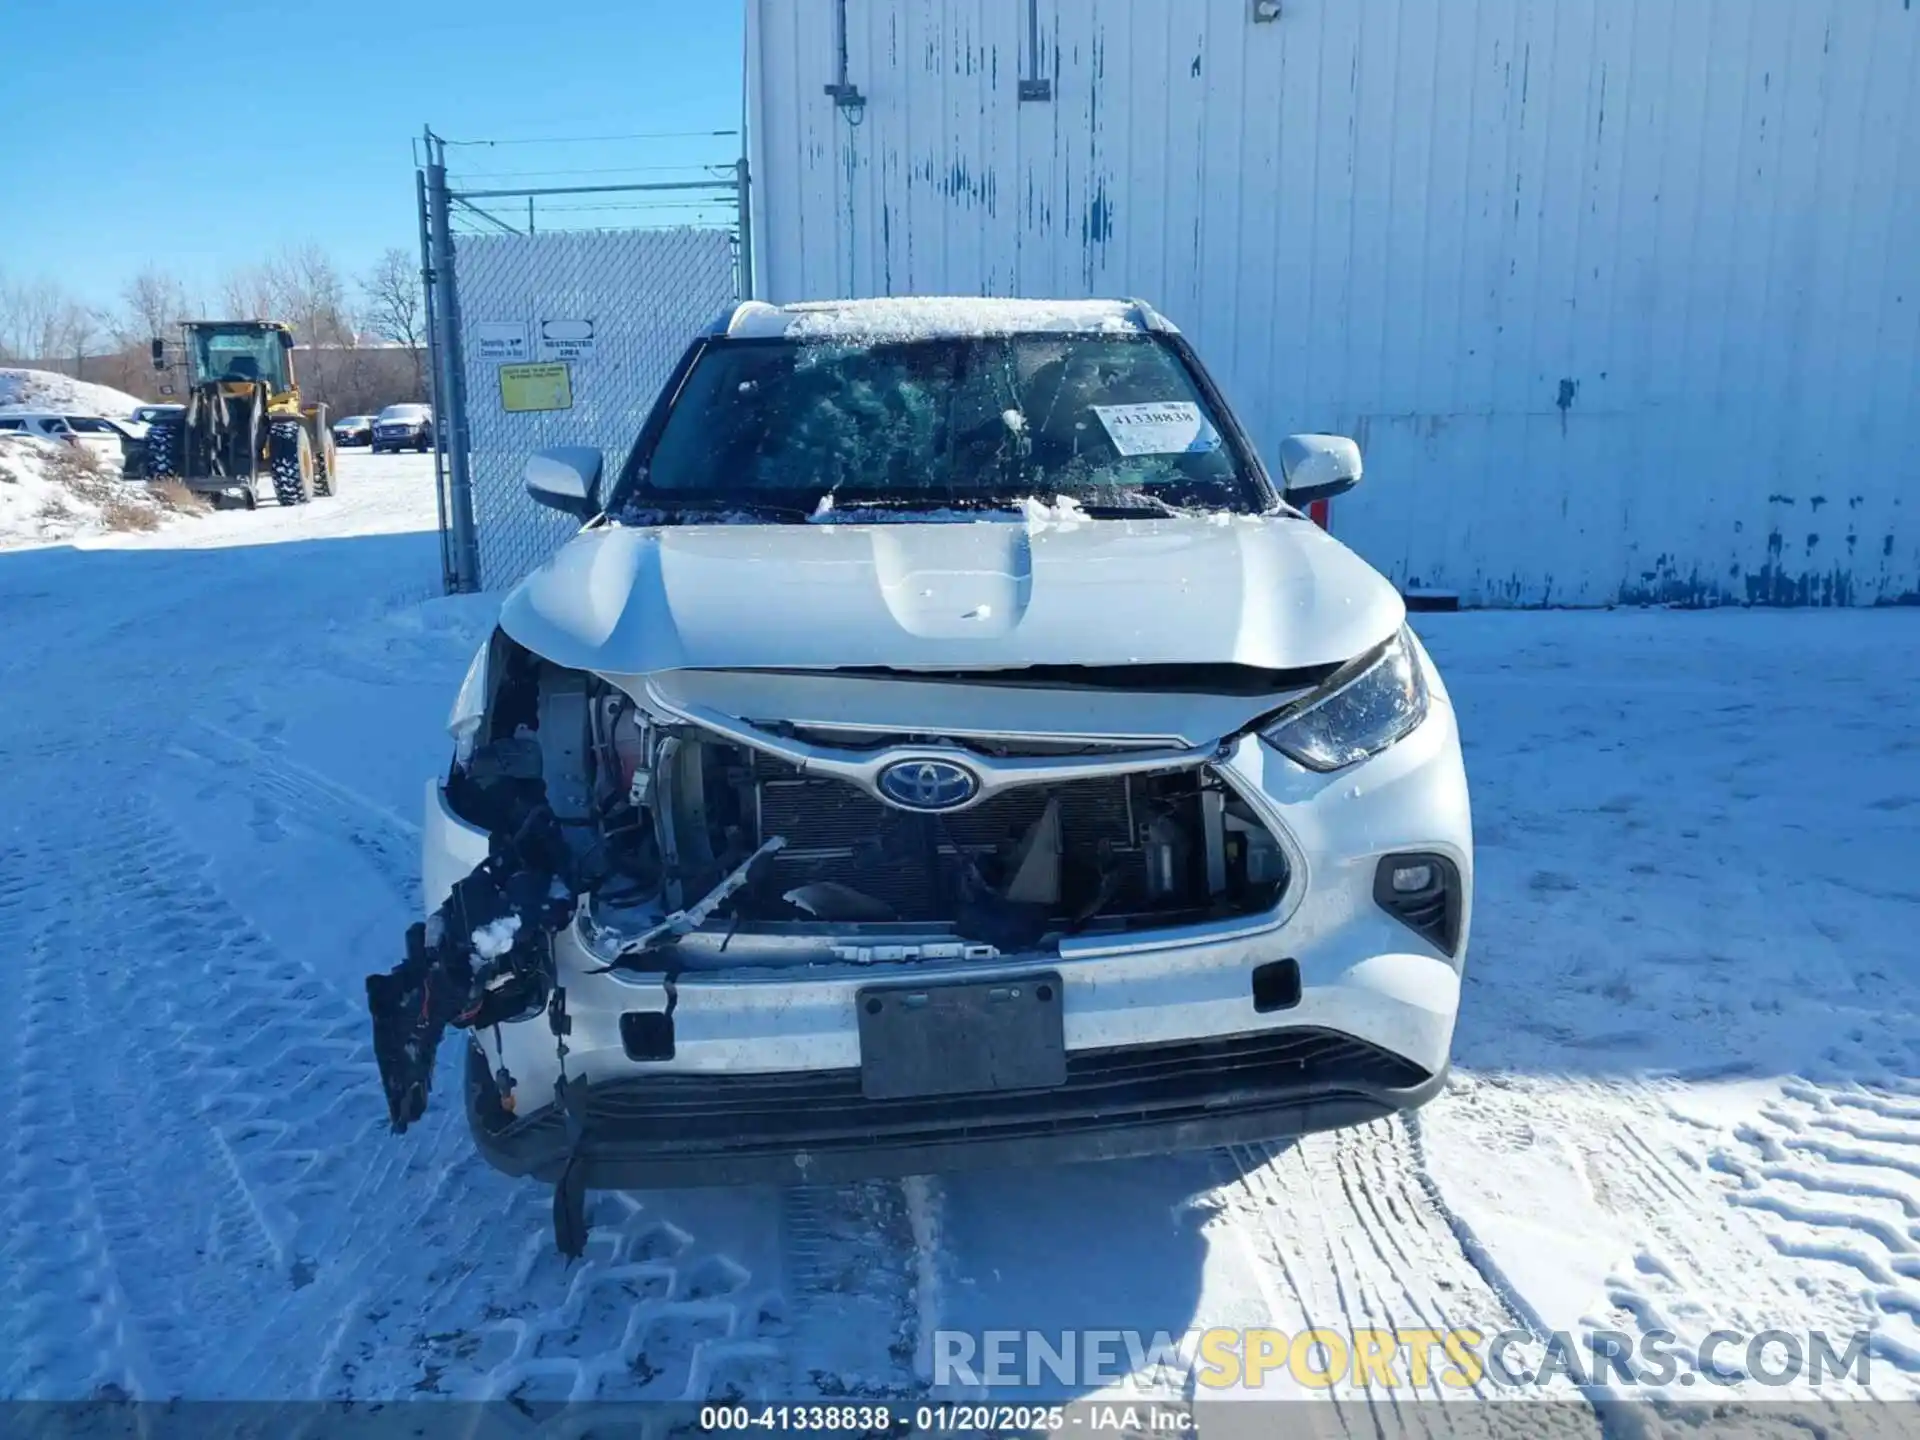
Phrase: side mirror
x=1318 y=467
x=159 y=348
x=566 y=478
x=286 y=339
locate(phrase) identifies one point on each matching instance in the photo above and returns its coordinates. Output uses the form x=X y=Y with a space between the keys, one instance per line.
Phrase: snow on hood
x=1272 y=593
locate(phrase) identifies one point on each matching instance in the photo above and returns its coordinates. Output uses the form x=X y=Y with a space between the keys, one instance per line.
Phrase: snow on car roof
x=931 y=317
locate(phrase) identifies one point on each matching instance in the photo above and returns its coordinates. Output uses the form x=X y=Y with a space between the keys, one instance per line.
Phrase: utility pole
x=452 y=386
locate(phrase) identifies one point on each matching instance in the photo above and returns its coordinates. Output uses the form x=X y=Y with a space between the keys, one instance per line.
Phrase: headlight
x=470 y=705
x=1363 y=717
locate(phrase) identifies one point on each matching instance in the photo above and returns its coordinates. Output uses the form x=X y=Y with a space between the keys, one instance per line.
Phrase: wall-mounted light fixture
x=1034 y=85
x=845 y=94
x=1265 y=12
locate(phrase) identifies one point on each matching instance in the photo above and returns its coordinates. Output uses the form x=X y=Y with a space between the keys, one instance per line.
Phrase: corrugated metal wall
x=1622 y=297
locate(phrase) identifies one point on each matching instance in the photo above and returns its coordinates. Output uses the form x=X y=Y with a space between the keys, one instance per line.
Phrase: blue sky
x=202 y=137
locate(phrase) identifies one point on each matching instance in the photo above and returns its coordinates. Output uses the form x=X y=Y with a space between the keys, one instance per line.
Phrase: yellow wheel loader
x=243 y=420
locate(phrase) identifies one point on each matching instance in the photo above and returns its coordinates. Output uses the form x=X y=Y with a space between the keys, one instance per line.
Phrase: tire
x=162 y=459
x=291 y=451
x=326 y=469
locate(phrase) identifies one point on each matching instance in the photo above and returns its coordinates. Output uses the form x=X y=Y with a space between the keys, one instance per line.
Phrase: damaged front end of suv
x=820 y=841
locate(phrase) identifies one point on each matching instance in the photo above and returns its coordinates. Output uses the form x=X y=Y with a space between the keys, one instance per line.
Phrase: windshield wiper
x=1131 y=505
x=709 y=506
x=841 y=503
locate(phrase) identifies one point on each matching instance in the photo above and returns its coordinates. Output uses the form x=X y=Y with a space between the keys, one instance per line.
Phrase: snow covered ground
x=50 y=492
x=1686 y=1095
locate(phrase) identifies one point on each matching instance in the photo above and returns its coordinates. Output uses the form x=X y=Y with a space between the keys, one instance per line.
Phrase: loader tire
x=326 y=469
x=163 y=450
x=290 y=449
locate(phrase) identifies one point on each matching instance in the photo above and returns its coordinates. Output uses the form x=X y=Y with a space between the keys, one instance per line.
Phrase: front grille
x=1109 y=1089
x=836 y=831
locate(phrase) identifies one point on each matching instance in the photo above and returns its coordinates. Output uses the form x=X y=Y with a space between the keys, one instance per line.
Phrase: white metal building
x=1621 y=297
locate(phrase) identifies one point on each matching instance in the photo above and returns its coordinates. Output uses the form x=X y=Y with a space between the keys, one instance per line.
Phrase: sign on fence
x=526 y=388
x=606 y=314
x=566 y=339
x=501 y=340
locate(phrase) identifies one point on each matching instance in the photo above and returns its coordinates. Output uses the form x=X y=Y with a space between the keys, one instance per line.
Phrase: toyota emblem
x=928 y=784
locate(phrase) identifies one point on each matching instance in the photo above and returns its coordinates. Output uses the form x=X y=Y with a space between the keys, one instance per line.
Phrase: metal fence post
x=453 y=380
x=742 y=183
x=433 y=385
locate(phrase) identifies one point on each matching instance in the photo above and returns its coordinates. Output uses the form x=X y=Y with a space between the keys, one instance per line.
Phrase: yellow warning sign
x=536 y=387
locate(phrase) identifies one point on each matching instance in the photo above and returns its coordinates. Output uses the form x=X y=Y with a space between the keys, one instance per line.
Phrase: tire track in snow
x=861 y=1263
x=66 y=1324
x=390 y=842
x=1831 y=1177
x=202 y=1080
x=1345 y=1233
x=169 y=1237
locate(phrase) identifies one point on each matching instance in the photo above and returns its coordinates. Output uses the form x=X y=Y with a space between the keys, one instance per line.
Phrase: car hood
x=1273 y=593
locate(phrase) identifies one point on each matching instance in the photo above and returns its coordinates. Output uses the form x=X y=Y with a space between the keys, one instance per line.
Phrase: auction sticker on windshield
x=1174 y=427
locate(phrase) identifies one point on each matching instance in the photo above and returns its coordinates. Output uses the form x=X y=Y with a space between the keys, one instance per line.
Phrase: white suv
x=114 y=443
x=945 y=744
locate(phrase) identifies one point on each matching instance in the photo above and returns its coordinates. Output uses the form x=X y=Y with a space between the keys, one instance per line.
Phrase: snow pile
x=903 y=318
x=1065 y=512
x=45 y=390
x=50 y=492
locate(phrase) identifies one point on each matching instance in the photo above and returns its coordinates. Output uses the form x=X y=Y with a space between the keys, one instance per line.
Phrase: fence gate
x=555 y=337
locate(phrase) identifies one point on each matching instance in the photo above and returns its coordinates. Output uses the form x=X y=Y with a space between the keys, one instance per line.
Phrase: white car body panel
x=1271 y=593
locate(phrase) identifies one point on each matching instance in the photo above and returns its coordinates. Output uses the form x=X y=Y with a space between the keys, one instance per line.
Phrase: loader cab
x=239 y=353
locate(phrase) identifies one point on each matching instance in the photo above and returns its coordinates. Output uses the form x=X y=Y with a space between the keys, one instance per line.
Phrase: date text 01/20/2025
x=880 y=1419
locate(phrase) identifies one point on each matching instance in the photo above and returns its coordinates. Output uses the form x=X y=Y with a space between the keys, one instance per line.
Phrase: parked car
x=403 y=427
x=147 y=414
x=793 y=833
x=354 y=430
x=113 y=443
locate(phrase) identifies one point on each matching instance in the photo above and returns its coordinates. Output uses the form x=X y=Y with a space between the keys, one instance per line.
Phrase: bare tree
x=78 y=326
x=394 y=305
x=34 y=319
x=151 y=304
x=248 y=294
x=308 y=293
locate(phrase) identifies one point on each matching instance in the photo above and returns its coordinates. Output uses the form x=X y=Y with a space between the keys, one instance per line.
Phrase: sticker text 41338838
x=1172 y=427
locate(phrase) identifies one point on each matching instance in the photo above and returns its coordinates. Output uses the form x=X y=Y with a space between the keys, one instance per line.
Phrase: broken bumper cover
x=670 y=1129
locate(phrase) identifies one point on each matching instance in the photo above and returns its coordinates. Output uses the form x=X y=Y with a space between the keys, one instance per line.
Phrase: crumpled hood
x=1272 y=593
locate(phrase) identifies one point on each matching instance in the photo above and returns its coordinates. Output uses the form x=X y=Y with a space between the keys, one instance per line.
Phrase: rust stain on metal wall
x=1616 y=293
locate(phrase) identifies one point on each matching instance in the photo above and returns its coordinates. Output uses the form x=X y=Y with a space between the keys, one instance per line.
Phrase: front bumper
x=814 y=1127
x=1167 y=1047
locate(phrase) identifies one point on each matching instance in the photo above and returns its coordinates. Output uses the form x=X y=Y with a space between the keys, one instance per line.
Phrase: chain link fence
x=643 y=293
x=561 y=337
